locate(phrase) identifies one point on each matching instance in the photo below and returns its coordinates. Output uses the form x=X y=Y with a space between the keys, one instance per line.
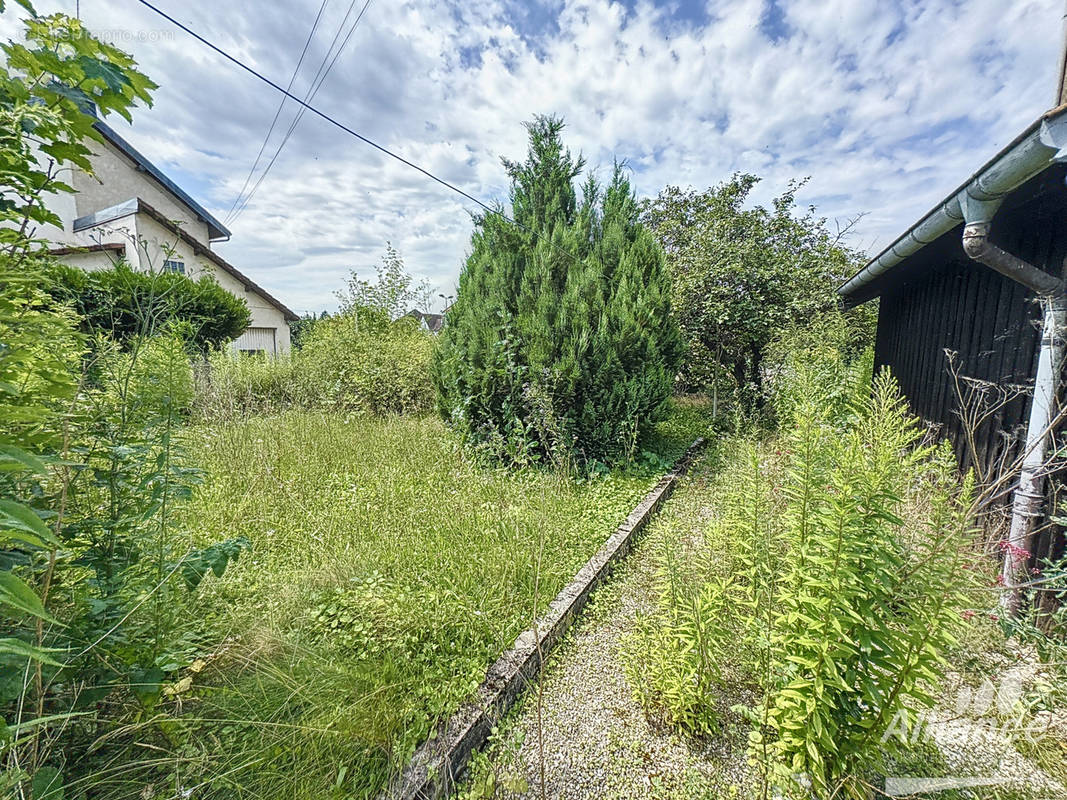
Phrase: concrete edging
x=432 y=771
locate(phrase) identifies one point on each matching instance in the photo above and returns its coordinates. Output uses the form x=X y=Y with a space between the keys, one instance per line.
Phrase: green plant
x=349 y=363
x=681 y=657
x=367 y=359
x=231 y=385
x=832 y=584
x=387 y=570
x=742 y=273
x=560 y=344
x=362 y=361
x=393 y=293
x=127 y=303
x=49 y=86
x=90 y=431
x=868 y=605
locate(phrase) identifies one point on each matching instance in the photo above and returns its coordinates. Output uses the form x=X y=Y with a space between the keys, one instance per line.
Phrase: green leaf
x=15 y=516
x=146 y=684
x=26 y=4
x=74 y=94
x=48 y=719
x=15 y=458
x=17 y=594
x=47 y=784
x=17 y=647
x=112 y=76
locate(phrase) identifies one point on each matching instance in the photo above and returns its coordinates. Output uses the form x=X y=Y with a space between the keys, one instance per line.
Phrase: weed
x=385 y=569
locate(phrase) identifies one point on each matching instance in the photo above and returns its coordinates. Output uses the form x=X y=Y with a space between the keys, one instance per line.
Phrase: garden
x=250 y=576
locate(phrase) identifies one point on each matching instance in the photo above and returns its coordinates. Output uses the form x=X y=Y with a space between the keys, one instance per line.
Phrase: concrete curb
x=441 y=759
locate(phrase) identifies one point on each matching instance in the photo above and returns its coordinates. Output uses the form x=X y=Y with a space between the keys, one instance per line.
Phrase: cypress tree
x=560 y=342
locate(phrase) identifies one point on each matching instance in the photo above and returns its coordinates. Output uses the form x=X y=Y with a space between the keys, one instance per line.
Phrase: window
x=174 y=266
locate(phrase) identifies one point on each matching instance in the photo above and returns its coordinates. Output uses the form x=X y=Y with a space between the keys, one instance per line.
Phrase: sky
x=885 y=105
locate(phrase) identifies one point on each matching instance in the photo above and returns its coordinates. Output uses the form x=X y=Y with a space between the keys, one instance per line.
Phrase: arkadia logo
x=906 y=787
x=996 y=706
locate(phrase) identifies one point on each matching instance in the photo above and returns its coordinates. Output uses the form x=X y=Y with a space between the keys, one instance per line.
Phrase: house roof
x=216 y=230
x=1042 y=144
x=136 y=205
x=434 y=322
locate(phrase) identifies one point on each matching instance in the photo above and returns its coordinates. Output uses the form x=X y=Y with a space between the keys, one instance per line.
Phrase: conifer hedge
x=561 y=342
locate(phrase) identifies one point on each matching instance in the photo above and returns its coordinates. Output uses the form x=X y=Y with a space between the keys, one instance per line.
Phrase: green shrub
x=363 y=361
x=230 y=385
x=741 y=272
x=126 y=303
x=356 y=362
x=91 y=461
x=153 y=374
x=561 y=341
x=832 y=580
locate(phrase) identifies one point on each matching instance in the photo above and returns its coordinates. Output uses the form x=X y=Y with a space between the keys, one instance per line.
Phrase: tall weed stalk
x=831 y=579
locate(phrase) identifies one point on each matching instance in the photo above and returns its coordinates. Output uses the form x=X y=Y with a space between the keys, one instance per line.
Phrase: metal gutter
x=1041 y=145
x=106 y=215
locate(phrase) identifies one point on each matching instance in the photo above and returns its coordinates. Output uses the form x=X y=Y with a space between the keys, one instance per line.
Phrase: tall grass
x=386 y=572
x=358 y=362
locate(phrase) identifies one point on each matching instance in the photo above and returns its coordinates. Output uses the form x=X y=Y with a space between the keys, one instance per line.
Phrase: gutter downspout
x=1030 y=493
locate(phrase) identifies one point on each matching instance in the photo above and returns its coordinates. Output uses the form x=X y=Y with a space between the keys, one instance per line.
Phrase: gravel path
x=596 y=740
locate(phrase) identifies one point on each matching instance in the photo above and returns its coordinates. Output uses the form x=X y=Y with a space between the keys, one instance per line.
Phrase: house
x=428 y=322
x=130 y=210
x=980 y=277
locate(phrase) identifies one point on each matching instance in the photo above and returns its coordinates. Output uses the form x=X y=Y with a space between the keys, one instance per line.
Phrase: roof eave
x=216 y=230
x=1041 y=145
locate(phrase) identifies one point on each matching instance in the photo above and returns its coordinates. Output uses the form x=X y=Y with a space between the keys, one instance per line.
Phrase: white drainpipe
x=1030 y=492
x=974 y=203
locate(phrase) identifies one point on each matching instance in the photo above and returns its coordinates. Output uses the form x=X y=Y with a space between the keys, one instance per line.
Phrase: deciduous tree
x=742 y=273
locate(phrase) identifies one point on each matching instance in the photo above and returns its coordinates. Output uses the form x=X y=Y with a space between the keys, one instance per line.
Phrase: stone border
x=433 y=769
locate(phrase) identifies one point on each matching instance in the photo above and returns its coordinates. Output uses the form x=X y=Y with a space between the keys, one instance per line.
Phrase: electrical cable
x=340 y=125
x=316 y=84
x=281 y=105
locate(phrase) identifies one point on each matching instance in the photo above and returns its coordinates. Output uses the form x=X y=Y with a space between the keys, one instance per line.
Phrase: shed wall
x=989 y=323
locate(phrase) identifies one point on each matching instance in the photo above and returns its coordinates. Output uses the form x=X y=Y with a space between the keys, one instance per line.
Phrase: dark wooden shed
x=937 y=300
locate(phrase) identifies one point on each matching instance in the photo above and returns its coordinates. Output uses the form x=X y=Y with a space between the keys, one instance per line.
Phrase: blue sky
x=886 y=105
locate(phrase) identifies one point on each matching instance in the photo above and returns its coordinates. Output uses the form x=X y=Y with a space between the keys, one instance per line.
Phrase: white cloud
x=886 y=105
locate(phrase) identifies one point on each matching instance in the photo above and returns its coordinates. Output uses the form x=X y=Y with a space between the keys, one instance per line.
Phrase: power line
x=324 y=115
x=308 y=95
x=316 y=84
x=281 y=105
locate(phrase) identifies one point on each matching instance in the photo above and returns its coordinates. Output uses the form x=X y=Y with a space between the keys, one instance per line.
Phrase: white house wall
x=118 y=179
x=148 y=244
x=92 y=261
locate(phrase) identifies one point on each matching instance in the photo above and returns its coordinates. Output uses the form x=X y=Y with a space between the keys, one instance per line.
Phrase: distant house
x=130 y=210
x=430 y=322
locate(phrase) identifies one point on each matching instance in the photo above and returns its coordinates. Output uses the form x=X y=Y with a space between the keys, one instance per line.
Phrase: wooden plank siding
x=944 y=301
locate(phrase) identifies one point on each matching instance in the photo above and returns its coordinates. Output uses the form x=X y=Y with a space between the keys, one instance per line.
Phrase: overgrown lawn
x=387 y=570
